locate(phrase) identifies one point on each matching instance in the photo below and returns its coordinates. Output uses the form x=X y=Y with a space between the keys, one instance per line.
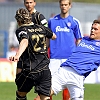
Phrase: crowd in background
x=11 y=1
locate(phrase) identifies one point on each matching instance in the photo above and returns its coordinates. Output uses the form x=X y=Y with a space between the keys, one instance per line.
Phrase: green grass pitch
x=7 y=92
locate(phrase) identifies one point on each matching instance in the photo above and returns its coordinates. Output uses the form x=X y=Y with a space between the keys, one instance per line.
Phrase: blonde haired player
x=32 y=52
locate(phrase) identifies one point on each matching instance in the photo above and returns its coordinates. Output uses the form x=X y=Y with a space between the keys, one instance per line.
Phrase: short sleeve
x=43 y=20
x=49 y=33
x=21 y=34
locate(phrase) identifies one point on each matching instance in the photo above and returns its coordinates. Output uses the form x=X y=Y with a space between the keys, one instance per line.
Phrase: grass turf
x=7 y=92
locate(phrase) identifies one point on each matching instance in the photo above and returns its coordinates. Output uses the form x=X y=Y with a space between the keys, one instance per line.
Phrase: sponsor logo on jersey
x=86 y=46
x=35 y=30
x=56 y=17
x=69 y=24
x=97 y=43
x=59 y=29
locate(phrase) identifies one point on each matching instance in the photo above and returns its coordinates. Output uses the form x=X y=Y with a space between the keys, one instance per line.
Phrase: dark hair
x=23 y=16
x=96 y=21
x=70 y=1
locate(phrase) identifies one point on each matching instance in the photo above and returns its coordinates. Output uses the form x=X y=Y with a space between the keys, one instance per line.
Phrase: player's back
x=36 y=50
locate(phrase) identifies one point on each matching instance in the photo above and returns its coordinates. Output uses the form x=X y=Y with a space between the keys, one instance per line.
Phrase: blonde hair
x=23 y=16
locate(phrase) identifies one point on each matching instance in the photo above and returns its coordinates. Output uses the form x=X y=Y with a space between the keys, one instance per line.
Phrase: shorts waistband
x=70 y=69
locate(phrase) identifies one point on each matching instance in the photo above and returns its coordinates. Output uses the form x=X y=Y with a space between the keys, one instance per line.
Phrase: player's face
x=65 y=6
x=30 y=4
x=95 y=31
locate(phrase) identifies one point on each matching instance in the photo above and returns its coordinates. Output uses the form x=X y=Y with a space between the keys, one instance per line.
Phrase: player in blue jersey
x=84 y=60
x=68 y=31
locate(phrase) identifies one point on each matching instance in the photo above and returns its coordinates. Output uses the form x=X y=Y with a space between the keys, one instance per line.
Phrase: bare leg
x=21 y=95
x=42 y=97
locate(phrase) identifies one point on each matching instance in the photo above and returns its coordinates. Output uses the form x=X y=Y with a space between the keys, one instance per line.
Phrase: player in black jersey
x=33 y=54
x=37 y=17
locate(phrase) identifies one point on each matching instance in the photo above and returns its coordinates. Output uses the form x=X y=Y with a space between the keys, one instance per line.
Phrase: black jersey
x=36 y=51
x=38 y=18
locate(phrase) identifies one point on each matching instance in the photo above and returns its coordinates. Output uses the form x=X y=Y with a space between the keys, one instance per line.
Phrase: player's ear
x=34 y=3
x=19 y=23
x=70 y=6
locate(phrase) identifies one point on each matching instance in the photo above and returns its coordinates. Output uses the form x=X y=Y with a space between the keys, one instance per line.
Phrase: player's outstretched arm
x=22 y=46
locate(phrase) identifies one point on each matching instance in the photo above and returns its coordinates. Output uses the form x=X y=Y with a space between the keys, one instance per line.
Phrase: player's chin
x=29 y=9
x=92 y=36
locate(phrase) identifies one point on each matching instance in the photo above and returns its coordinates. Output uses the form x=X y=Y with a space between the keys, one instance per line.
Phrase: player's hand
x=14 y=58
x=54 y=36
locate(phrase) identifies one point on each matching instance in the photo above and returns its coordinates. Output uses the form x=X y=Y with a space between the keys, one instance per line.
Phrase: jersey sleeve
x=43 y=20
x=21 y=35
x=49 y=33
x=77 y=30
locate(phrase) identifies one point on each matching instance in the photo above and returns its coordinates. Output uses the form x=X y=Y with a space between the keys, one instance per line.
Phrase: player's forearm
x=22 y=46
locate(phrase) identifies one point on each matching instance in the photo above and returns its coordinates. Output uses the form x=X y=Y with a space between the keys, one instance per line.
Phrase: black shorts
x=19 y=64
x=40 y=79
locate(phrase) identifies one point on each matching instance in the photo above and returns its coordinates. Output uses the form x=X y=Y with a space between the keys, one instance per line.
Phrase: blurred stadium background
x=85 y=12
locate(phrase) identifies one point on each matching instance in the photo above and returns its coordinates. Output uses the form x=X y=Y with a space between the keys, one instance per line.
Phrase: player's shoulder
x=39 y=14
x=36 y=14
x=20 y=29
x=86 y=38
x=74 y=19
x=71 y=18
x=56 y=17
x=23 y=29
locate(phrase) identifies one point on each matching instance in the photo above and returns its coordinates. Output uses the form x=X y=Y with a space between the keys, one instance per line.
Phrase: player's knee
x=52 y=92
x=18 y=97
x=22 y=94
